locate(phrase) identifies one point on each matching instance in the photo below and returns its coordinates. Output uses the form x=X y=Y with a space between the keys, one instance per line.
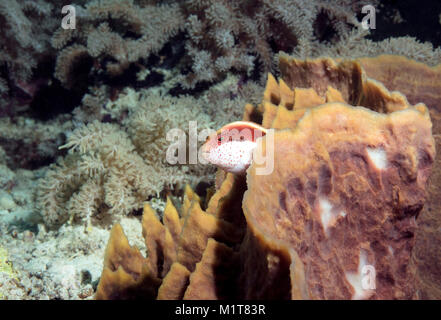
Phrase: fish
x=231 y=147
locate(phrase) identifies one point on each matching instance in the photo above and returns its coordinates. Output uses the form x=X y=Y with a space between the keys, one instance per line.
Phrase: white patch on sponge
x=391 y=250
x=328 y=215
x=378 y=157
x=325 y=213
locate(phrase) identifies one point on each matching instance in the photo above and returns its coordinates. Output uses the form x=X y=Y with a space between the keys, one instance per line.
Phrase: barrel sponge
x=175 y=246
x=331 y=201
x=419 y=82
x=351 y=164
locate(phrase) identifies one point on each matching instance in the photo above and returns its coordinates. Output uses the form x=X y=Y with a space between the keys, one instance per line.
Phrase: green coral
x=6 y=267
x=5 y=264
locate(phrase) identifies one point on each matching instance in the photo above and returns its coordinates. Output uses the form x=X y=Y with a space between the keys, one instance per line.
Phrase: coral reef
x=116 y=168
x=327 y=191
x=219 y=35
x=27 y=27
x=83 y=117
x=356 y=45
x=204 y=39
x=17 y=206
x=6 y=269
x=99 y=34
x=5 y=265
x=114 y=165
x=62 y=264
x=240 y=35
x=26 y=32
x=29 y=143
x=215 y=34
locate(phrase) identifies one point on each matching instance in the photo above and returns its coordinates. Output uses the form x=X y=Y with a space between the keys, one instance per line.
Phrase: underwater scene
x=220 y=149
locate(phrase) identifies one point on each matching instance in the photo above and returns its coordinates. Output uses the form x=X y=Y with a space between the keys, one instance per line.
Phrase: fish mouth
x=205 y=153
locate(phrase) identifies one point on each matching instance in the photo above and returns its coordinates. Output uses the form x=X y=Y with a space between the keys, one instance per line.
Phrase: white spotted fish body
x=231 y=148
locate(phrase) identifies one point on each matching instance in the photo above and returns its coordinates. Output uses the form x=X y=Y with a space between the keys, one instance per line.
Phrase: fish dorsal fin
x=240 y=125
x=243 y=130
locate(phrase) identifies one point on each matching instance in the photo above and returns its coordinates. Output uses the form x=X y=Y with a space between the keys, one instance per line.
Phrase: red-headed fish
x=231 y=147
